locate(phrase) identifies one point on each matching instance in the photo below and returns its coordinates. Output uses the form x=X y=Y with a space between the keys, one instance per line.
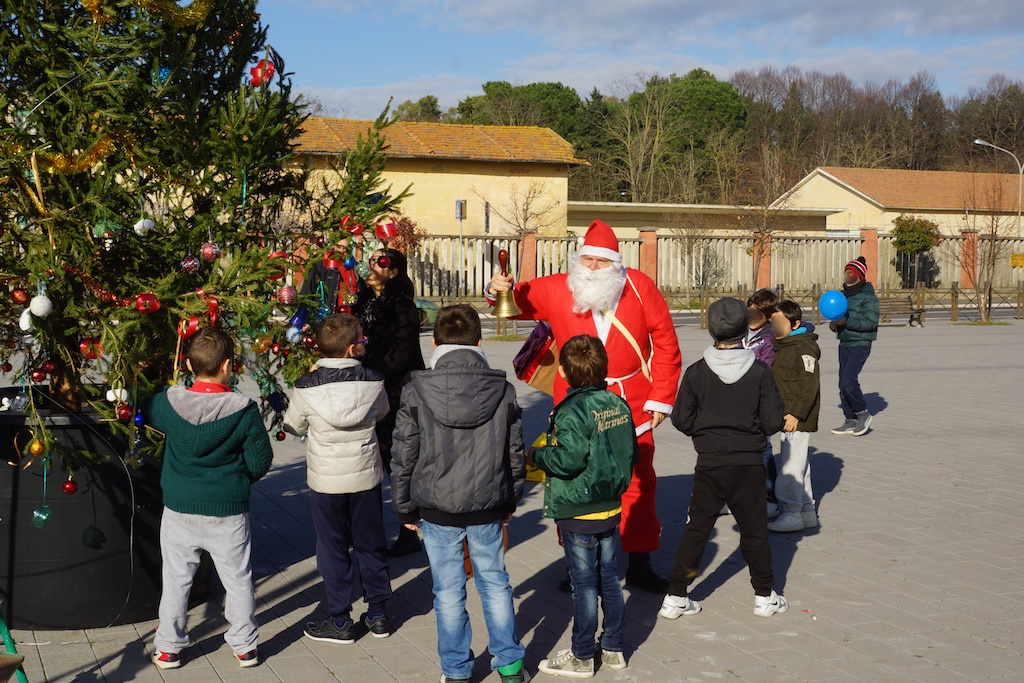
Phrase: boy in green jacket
x=588 y=459
x=216 y=449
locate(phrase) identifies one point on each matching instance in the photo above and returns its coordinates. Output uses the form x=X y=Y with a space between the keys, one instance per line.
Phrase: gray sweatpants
x=229 y=543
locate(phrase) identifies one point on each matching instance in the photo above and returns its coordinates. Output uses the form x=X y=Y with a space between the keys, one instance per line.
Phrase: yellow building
x=512 y=178
x=871 y=198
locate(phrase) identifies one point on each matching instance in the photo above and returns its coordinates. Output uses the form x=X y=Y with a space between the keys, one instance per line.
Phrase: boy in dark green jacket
x=798 y=377
x=588 y=459
x=216 y=448
x=856 y=331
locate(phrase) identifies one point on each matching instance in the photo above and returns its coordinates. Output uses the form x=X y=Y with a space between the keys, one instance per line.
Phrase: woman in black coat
x=386 y=307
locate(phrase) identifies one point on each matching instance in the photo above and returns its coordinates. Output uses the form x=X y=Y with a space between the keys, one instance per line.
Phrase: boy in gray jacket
x=457 y=466
x=337 y=405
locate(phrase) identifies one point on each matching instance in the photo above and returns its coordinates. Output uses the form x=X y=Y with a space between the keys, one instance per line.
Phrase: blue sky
x=353 y=54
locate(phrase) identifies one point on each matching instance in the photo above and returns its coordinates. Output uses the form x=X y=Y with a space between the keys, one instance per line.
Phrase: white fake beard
x=595 y=290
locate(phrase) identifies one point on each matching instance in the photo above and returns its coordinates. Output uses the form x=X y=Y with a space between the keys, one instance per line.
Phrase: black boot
x=407 y=543
x=641 y=574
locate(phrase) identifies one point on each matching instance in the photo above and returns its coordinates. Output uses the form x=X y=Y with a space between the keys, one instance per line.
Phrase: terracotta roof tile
x=415 y=140
x=903 y=189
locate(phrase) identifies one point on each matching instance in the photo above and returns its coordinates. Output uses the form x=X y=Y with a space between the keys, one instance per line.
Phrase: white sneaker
x=773 y=510
x=787 y=521
x=767 y=606
x=810 y=518
x=565 y=663
x=676 y=606
x=613 y=660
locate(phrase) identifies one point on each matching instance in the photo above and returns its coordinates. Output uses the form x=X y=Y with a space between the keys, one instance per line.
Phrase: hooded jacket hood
x=341 y=410
x=218 y=414
x=462 y=391
x=729 y=364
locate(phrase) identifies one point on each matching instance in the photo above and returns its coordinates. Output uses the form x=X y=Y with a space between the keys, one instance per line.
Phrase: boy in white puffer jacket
x=337 y=405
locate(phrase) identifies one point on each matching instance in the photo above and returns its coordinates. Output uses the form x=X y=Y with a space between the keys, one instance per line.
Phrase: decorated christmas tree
x=148 y=187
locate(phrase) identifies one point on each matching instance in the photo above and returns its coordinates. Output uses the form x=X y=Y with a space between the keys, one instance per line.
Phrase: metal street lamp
x=1020 y=173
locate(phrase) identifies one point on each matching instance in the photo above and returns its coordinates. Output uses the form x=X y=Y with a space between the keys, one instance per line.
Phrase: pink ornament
x=287 y=295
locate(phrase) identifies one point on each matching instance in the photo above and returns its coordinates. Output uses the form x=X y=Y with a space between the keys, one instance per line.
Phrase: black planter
x=96 y=560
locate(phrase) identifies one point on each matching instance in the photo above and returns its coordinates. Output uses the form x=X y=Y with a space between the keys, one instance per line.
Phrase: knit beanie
x=859 y=267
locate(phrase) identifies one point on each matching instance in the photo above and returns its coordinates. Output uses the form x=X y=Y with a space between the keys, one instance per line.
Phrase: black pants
x=743 y=488
x=340 y=520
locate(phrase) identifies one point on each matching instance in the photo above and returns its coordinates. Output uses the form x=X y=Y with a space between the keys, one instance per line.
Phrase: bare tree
x=704 y=265
x=526 y=209
x=643 y=140
x=986 y=201
x=766 y=199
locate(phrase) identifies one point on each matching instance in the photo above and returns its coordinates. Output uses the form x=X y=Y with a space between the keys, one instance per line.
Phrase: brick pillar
x=528 y=259
x=649 y=254
x=763 y=276
x=869 y=250
x=969 y=259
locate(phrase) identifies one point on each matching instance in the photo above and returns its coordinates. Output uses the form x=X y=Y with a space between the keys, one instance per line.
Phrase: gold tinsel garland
x=176 y=16
x=63 y=164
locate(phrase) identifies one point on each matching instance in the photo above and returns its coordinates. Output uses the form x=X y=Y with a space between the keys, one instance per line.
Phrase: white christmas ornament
x=25 y=322
x=41 y=306
x=117 y=395
x=144 y=226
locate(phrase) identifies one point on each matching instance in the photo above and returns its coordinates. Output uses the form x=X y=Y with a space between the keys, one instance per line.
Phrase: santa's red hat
x=600 y=242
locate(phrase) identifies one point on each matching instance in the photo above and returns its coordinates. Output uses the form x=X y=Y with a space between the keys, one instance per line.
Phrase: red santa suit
x=642 y=310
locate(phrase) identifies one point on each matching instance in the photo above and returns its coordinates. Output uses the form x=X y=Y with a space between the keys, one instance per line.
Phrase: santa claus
x=623 y=308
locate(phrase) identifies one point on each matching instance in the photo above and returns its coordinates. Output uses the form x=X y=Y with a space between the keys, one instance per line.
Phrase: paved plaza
x=915 y=574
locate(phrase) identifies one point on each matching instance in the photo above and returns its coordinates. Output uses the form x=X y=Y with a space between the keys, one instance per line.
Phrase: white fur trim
x=600 y=252
x=658 y=407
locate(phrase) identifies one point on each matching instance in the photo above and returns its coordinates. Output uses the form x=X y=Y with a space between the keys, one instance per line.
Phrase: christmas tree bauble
x=124 y=412
x=36 y=447
x=41 y=306
x=190 y=264
x=209 y=251
x=38 y=375
x=20 y=296
x=70 y=487
x=147 y=303
x=143 y=227
x=287 y=295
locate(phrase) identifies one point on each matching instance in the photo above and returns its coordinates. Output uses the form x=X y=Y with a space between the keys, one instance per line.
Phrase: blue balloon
x=833 y=305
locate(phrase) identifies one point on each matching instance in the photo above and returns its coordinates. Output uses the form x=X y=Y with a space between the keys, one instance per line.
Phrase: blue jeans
x=592 y=563
x=851 y=362
x=454 y=633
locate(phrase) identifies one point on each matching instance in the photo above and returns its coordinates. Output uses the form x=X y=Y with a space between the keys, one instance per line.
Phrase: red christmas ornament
x=70 y=487
x=38 y=375
x=147 y=303
x=188 y=326
x=209 y=251
x=20 y=296
x=344 y=308
x=357 y=229
x=280 y=436
x=91 y=348
x=7 y=367
x=190 y=264
x=49 y=367
x=279 y=271
x=124 y=412
x=320 y=242
x=286 y=352
x=287 y=295
x=385 y=231
x=275 y=349
x=261 y=73
x=308 y=341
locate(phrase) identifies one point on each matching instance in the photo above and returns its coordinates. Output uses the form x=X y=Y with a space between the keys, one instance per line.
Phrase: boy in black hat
x=728 y=404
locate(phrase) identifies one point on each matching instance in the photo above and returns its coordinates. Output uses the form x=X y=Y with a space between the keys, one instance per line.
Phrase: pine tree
x=146 y=175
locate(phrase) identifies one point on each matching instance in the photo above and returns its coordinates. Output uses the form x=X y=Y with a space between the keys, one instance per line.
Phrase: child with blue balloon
x=857 y=328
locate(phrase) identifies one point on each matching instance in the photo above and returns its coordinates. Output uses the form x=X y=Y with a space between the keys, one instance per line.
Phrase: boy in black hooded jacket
x=729 y=404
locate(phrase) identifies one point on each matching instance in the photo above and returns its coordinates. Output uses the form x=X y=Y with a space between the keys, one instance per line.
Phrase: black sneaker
x=327 y=632
x=378 y=627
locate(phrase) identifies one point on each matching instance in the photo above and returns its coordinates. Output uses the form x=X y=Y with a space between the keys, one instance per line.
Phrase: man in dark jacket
x=856 y=330
x=457 y=466
x=728 y=404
